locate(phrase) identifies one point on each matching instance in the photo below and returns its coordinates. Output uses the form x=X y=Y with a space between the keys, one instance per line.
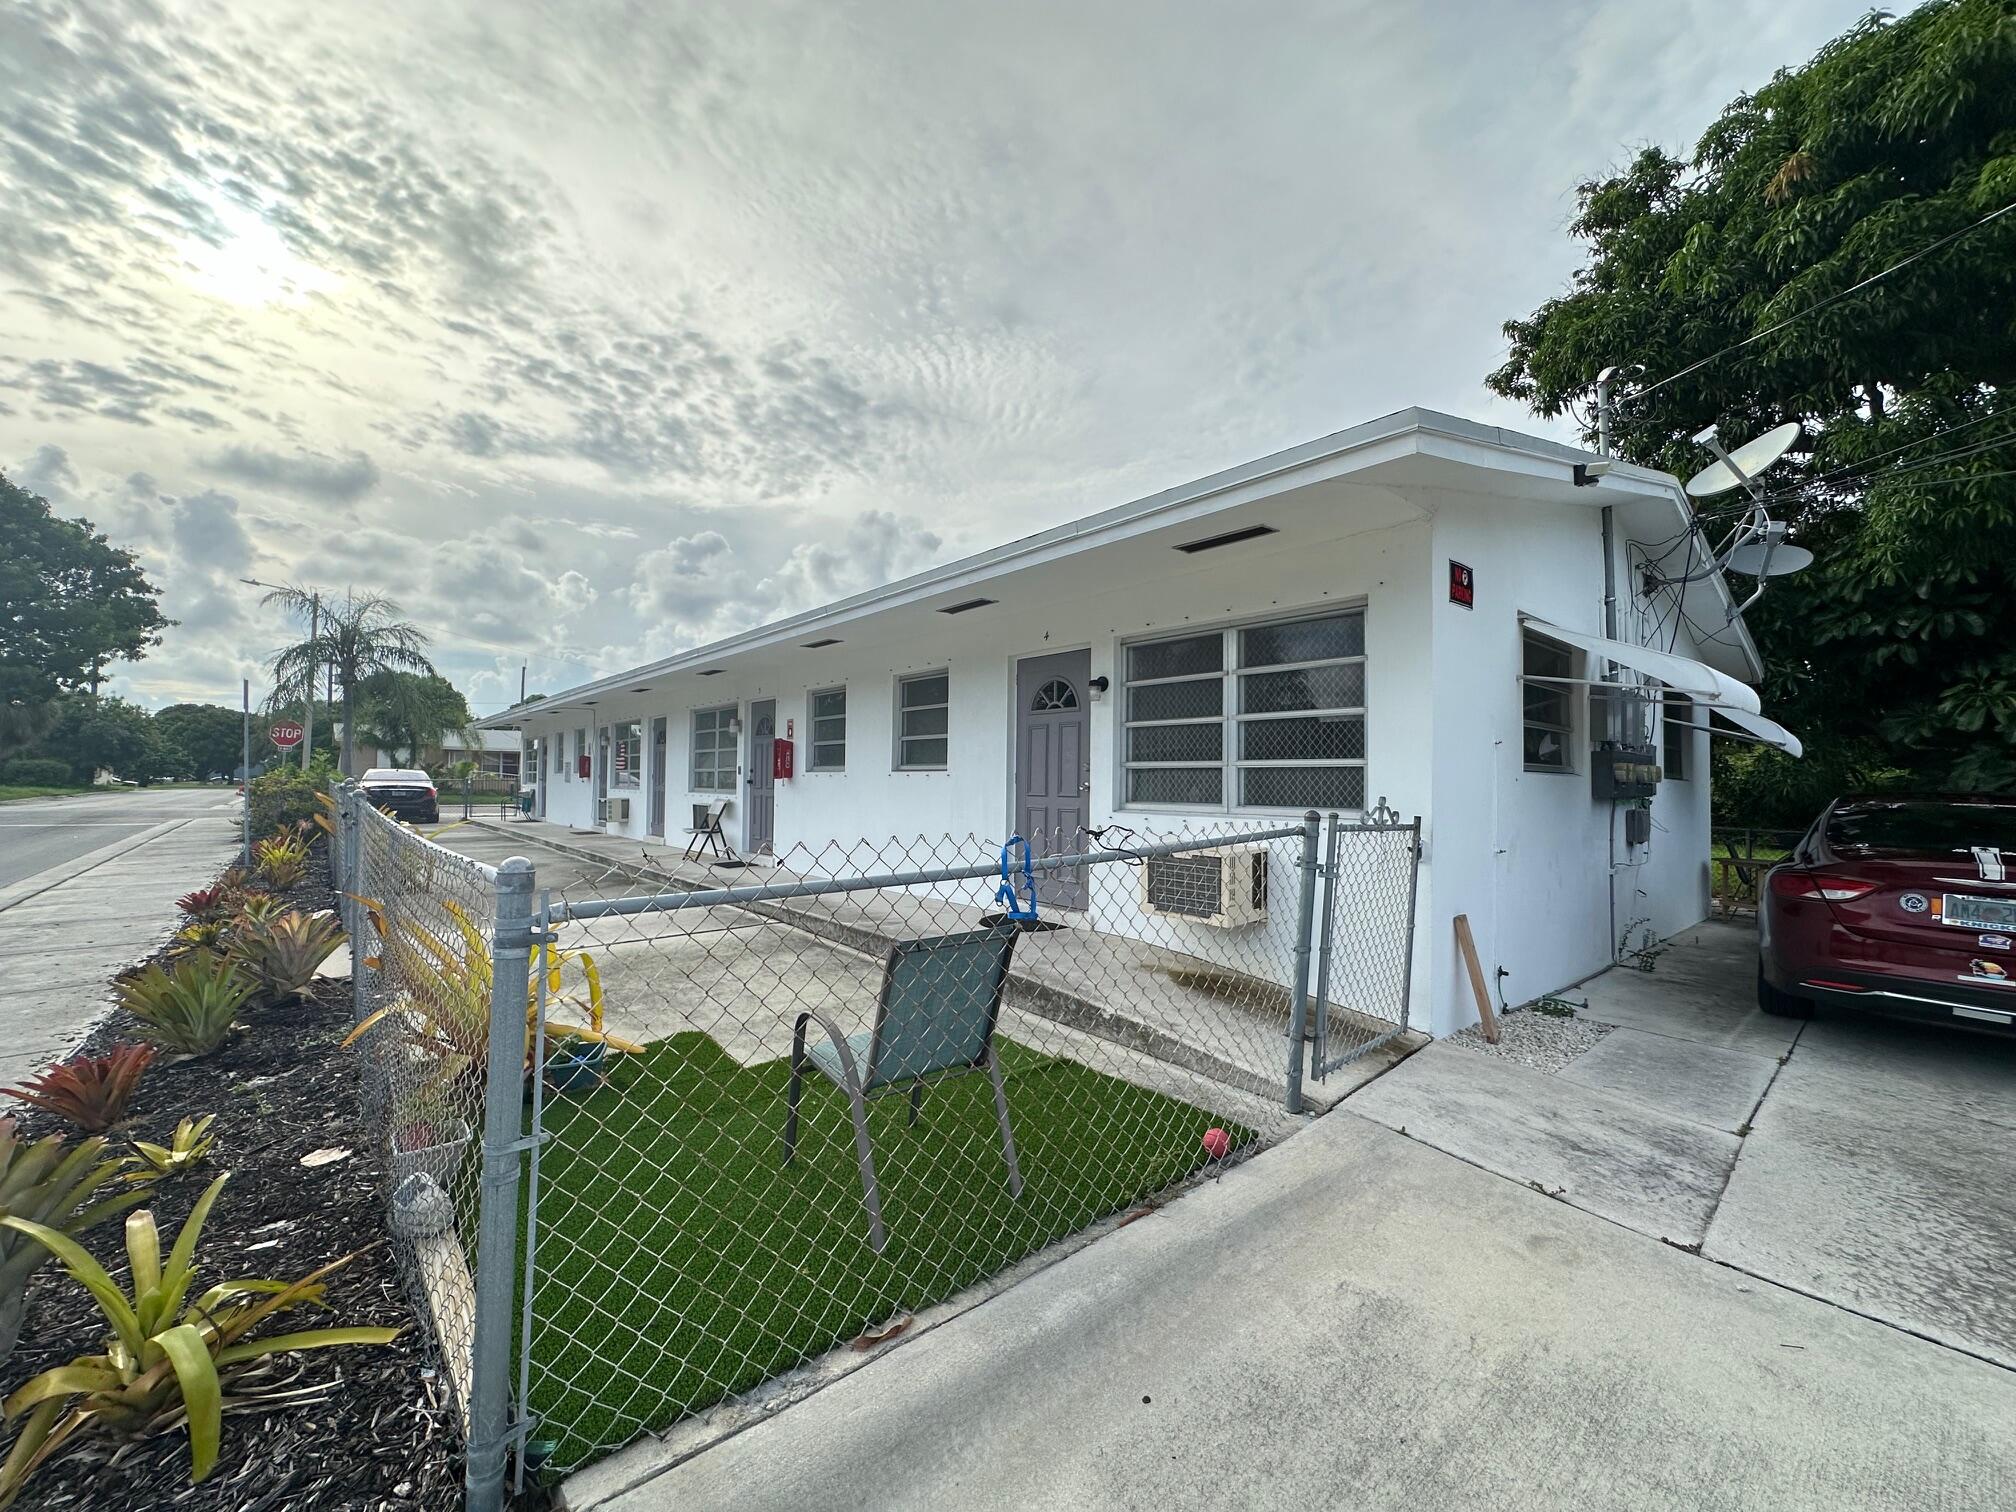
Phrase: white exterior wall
x=1525 y=855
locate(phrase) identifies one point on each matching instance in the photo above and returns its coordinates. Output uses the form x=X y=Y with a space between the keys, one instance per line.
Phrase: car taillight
x=1801 y=884
x=431 y=793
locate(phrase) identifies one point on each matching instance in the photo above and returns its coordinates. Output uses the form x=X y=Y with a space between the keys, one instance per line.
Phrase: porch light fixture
x=978 y=603
x=831 y=640
x=1230 y=538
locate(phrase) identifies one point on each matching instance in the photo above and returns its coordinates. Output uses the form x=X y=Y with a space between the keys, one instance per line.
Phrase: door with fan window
x=1053 y=766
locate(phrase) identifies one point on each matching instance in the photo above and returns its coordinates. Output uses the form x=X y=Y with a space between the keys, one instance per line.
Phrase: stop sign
x=286 y=734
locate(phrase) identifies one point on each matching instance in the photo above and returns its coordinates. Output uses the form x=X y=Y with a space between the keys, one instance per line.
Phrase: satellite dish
x=1749 y=560
x=1752 y=457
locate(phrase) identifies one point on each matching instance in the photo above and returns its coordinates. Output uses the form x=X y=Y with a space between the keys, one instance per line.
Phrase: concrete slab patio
x=1352 y=1319
x=1865 y=1162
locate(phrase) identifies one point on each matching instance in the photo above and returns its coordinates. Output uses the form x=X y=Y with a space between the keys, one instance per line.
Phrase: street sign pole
x=308 y=718
x=245 y=809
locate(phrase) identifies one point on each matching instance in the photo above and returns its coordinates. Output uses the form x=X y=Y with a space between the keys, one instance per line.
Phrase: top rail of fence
x=677 y=898
x=439 y=851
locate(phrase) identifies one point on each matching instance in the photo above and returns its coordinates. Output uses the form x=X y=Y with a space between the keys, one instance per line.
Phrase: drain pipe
x=1605 y=384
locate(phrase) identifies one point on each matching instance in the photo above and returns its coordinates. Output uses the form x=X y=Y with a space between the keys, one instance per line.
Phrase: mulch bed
x=378 y=1428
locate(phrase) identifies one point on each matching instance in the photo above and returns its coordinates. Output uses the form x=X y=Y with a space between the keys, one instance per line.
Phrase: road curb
x=76 y=866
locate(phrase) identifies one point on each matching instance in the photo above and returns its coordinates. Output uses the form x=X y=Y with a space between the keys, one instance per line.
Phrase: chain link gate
x=1365 y=950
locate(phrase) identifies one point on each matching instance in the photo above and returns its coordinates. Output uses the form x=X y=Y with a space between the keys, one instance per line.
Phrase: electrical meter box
x=1625 y=771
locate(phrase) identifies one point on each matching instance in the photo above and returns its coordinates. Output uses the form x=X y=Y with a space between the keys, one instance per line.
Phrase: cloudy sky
x=591 y=330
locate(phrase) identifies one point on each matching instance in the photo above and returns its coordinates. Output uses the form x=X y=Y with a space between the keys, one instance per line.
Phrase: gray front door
x=658 y=778
x=762 y=784
x=1053 y=765
x=602 y=775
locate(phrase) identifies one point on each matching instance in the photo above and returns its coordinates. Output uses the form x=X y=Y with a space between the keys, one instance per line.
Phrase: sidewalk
x=1354 y=1320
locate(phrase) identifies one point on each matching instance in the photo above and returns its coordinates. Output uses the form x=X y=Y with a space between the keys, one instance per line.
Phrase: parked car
x=403 y=791
x=1897 y=905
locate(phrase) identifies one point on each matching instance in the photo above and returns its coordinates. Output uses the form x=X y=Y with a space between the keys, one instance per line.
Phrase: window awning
x=1766 y=731
x=1681 y=673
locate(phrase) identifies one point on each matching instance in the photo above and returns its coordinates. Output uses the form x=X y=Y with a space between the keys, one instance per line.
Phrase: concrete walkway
x=68 y=927
x=1865 y=1162
x=1354 y=1320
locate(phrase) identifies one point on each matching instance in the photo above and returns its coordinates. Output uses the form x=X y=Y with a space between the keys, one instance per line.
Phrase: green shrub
x=282 y=799
x=36 y=771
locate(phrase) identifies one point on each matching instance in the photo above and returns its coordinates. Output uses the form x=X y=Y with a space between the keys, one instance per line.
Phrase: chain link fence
x=420 y=919
x=763 y=1110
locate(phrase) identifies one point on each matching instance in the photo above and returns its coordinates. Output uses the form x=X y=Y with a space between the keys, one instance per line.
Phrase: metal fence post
x=497 y=1221
x=1298 y=1012
x=352 y=823
x=1331 y=868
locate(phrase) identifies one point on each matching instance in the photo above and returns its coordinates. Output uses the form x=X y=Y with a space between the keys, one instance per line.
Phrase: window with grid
x=1550 y=706
x=828 y=721
x=1676 y=735
x=1268 y=716
x=626 y=755
x=923 y=721
x=714 y=750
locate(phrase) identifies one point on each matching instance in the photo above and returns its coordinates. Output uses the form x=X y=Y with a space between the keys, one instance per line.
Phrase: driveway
x=1862 y=1162
x=90 y=886
x=1352 y=1319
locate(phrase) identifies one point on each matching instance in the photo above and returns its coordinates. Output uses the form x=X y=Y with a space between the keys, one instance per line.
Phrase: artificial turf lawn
x=680 y=1261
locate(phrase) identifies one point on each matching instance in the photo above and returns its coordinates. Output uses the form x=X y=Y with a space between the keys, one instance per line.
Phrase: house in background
x=496 y=754
x=1412 y=610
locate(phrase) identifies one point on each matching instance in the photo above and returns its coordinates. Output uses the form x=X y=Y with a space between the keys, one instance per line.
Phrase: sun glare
x=251 y=264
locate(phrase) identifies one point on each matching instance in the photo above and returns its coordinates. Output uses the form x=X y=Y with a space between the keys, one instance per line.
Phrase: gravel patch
x=1539 y=1040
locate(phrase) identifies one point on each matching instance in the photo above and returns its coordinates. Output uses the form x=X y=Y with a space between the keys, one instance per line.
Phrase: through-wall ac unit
x=615 y=810
x=1223 y=888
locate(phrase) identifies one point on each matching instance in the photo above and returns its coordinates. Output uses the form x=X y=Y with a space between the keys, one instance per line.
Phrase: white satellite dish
x=1752 y=457
x=1749 y=560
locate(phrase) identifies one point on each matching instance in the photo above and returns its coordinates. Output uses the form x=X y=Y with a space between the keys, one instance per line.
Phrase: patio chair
x=705 y=832
x=934 y=1020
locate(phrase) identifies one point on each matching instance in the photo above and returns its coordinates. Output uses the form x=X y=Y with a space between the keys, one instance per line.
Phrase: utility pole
x=521 y=682
x=308 y=721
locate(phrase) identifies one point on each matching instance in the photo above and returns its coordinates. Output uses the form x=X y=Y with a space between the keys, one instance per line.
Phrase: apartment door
x=658 y=753
x=1053 y=771
x=602 y=775
x=762 y=783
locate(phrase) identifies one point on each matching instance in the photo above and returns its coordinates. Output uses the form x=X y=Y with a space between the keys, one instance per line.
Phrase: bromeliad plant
x=444 y=1001
x=61 y=1187
x=187 y=1148
x=281 y=952
x=206 y=903
x=281 y=860
x=167 y=1359
x=189 y=1010
x=88 y=1092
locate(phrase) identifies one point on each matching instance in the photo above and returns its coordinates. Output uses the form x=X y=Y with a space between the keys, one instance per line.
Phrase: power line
x=1815 y=308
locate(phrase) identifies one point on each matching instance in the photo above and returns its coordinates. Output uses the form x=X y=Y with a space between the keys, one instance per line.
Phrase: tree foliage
x=71 y=603
x=1895 y=656
x=201 y=738
x=404 y=712
x=359 y=636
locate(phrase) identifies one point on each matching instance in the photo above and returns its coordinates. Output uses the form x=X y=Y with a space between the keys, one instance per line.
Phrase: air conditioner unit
x=615 y=810
x=1223 y=888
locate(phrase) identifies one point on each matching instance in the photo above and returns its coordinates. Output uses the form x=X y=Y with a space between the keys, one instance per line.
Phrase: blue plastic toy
x=1018 y=910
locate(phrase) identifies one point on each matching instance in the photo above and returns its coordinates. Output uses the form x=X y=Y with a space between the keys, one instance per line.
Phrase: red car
x=1902 y=906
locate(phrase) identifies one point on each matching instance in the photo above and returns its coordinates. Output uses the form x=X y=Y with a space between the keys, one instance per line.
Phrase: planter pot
x=420 y=1209
x=438 y=1161
x=575 y=1067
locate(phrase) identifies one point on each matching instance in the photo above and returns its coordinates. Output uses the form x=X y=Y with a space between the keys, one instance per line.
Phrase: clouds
x=627 y=327
x=335 y=480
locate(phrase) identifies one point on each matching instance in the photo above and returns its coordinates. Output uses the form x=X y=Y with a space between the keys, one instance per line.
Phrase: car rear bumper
x=1909 y=997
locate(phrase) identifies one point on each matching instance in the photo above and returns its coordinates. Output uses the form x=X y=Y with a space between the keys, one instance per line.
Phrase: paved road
x=88 y=885
x=40 y=833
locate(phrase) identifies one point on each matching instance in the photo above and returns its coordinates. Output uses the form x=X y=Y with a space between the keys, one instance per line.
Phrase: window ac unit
x=1223 y=888
x=616 y=810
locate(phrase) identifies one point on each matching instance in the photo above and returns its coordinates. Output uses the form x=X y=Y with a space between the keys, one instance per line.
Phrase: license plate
x=1977 y=913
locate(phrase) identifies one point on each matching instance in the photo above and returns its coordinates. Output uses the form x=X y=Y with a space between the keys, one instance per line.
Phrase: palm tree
x=362 y=635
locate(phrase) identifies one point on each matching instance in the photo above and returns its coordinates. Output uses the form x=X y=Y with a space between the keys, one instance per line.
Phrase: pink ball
x=1217 y=1143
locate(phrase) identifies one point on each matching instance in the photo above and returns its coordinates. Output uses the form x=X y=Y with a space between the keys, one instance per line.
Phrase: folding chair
x=934 y=1019
x=706 y=830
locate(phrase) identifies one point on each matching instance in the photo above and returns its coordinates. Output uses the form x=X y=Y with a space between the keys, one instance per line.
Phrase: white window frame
x=898 y=710
x=726 y=713
x=580 y=750
x=812 y=721
x=1564 y=686
x=626 y=776
x=1230 y=719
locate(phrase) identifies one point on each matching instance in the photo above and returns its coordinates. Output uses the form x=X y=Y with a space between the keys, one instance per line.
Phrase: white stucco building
x=1284 y=635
